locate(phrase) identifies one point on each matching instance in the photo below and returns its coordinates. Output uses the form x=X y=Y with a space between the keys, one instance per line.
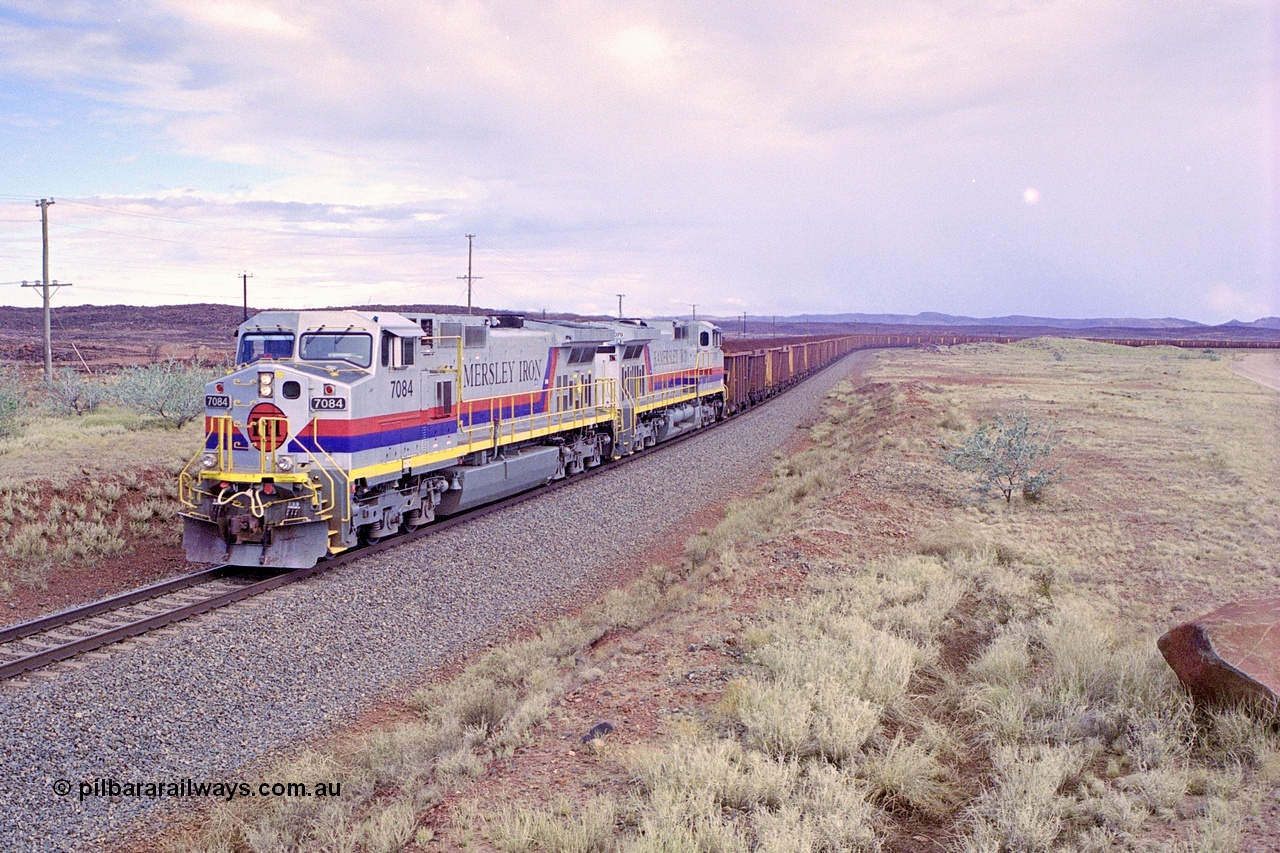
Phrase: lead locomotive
x=339 y=427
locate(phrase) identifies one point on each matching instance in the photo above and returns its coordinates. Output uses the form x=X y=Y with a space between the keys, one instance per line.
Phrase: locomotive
x=343 y=427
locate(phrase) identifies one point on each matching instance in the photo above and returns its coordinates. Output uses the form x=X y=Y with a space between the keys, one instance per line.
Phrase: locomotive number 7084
x=401 y=388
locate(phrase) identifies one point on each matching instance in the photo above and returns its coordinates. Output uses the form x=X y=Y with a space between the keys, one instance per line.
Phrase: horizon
x=765 y=319
x=1073 y=160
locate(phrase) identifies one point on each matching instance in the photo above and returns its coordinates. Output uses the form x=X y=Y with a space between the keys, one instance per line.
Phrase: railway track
x=61 y=636
x=64 y=635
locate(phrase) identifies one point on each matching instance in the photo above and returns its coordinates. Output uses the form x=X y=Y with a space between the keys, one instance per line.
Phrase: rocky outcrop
x=1229 y=656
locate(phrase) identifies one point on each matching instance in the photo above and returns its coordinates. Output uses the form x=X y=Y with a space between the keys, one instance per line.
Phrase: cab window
x=402 y=354
x=257 y=345
x=352 y=347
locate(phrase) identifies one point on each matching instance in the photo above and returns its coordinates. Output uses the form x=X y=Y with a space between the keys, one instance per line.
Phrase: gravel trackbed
x=200 y=700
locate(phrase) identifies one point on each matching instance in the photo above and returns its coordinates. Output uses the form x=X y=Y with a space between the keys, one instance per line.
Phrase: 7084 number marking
x=401 y=388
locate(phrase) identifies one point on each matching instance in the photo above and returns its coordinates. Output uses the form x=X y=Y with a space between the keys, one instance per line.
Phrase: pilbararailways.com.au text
x=225 y=790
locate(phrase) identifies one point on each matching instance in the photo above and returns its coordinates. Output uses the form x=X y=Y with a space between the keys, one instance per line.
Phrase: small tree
x=71 y=393
x=171 y=390
x=1009 y=453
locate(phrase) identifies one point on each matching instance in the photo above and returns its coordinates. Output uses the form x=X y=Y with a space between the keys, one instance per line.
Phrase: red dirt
x=145 y=564
x=149 y=557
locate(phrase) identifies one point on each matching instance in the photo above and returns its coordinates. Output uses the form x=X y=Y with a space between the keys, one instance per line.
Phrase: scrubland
x=76 y=492
x=861 y=657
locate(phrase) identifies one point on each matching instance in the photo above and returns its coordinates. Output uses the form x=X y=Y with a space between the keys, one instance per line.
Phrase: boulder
x=1229 y=656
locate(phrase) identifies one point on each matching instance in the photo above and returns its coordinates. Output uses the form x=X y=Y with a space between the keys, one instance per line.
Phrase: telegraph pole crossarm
x=48 y=288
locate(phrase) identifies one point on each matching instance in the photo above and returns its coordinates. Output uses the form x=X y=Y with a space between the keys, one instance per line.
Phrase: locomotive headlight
x=266 y=383
x=208 y=461
x=284 y=463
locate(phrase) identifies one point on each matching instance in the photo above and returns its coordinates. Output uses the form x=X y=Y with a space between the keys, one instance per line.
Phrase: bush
x=12 y=399
x=171 y=390
x=71 y=393
x=1009 y=453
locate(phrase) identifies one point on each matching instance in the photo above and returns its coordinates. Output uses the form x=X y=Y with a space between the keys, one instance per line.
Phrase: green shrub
x=171 y=391
x=12 y=401
x=72 y=393
x=1009 y=453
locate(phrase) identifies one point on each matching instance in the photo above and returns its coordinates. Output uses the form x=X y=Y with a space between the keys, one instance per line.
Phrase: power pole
x=43 y=204
x=620 y=295
x=469 y=277
x=695 y=311
x=244 y=279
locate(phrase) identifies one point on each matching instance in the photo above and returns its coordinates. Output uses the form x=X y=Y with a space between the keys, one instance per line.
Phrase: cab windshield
x=257 y=345
x=352 y=347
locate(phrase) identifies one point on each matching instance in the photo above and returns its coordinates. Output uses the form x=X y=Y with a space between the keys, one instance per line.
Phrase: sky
x=1069 y=158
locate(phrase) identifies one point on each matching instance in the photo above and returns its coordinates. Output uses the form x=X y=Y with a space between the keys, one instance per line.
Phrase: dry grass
x=104 y=444
x=70 y=493
x=1163 y=447
x=984 y=674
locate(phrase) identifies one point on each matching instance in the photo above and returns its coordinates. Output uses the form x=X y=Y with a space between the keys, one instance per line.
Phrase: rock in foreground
x=1229 y=656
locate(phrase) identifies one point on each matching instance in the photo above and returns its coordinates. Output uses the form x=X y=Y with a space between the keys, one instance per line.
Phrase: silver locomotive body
x=340 y=427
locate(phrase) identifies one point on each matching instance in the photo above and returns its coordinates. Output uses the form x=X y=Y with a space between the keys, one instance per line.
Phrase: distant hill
x=1261 y=323
x=932 y=318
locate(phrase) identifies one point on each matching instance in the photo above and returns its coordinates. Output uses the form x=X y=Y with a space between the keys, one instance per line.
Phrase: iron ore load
x=338 y=428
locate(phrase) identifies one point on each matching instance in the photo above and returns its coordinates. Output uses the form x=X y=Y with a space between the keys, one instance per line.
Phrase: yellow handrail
x=222 y=427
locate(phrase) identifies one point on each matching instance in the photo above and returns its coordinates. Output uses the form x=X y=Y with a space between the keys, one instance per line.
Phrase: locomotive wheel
x=376 y=532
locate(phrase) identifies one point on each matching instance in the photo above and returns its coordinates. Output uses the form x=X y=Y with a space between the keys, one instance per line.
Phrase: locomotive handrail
x=222 y=426
x=505 y=427
x=346 y=494
x=271 y=434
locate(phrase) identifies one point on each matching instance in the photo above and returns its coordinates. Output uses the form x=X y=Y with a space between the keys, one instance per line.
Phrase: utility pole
x=244 y=279
x=620 y=295
x=469 y=277
x=695 y=311
x=43 y=204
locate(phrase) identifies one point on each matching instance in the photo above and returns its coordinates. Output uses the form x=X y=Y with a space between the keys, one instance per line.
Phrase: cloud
x=1227 y=302
x=881 y=155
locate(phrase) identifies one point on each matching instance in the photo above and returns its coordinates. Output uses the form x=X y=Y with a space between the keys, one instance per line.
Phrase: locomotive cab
x=261 y=492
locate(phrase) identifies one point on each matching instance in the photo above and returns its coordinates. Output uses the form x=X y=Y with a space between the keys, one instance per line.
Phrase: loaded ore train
x=343 y=427
x=338 y=428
